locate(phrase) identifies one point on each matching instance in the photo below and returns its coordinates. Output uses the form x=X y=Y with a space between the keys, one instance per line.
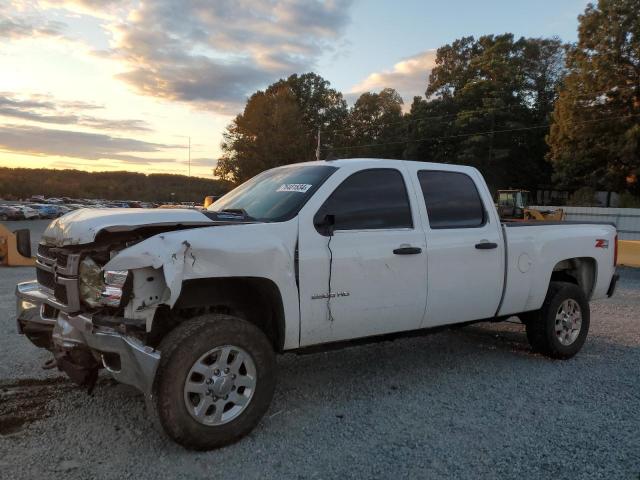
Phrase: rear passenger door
x=465 y=256
x=369 y=278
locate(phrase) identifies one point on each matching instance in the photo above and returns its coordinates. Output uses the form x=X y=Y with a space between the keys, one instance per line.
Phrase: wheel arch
x=581 y=271
x=256 y=299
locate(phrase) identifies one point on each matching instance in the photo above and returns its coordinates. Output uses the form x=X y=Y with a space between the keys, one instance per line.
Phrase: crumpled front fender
x=256 y=250
x=157 y=252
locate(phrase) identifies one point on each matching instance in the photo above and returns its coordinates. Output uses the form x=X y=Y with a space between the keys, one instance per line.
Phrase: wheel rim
x=220 y=385
x=568 y=322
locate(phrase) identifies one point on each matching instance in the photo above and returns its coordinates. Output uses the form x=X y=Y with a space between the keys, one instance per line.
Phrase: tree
x=279 y=126
x=376 y=126
x=486 y=99
x=25 y=182
x=321 y=106
x=269 y=133
x=595 y=136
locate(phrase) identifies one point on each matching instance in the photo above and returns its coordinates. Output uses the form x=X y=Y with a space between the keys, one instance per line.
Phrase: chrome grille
x=60 y=292
x=43 y=249
x=46 y=279
x=62 y=258
x=57 y=270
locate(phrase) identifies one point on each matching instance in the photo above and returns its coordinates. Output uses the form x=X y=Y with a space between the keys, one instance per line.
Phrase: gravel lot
x=470 y=403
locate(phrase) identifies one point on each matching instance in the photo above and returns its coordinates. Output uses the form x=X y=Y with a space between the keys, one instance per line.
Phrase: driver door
x=370 y=276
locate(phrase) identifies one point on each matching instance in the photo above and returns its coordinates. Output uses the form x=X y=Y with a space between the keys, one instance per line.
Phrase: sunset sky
x=121 y=84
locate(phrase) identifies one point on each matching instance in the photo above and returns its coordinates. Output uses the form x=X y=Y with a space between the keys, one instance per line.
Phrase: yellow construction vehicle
x=514 y=205
x=15 y=248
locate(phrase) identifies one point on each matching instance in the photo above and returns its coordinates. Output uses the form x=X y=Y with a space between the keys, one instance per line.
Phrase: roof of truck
x=377 y=162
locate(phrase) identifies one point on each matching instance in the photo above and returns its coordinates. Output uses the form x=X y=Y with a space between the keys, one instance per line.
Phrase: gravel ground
x=470 y=403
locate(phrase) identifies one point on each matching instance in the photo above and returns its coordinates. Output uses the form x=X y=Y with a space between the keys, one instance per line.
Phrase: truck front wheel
x=215 y=381
x=559 y=329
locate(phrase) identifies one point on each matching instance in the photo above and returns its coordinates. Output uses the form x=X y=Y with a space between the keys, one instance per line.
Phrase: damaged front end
x=89 y=317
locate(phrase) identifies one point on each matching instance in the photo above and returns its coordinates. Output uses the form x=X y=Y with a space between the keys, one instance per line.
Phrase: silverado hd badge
x=330 y=295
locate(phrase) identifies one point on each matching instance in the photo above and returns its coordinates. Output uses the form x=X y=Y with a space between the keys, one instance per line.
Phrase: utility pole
x=318 y=147
x=189 y=156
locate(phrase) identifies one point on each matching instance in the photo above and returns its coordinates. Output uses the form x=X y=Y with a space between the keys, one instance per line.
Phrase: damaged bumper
x=68 y=335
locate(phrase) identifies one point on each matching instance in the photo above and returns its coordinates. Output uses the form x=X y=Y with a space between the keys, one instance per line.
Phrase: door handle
x=486 y=245
x=407 y=250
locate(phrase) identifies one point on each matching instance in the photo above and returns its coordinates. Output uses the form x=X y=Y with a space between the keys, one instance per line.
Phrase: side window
x=452 y=199
x=370 y=199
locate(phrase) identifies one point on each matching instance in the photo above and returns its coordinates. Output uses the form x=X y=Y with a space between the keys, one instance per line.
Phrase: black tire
x=541 y=324
x=180 y=349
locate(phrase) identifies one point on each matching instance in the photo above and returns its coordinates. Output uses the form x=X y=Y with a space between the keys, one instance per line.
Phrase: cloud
x=200 y=162
x=212 y=54
x=46 y=109
x=409 y=77
x=215 y=53
x=19 y=22
x=15 y=28
x=96 y=8
x=89 y=146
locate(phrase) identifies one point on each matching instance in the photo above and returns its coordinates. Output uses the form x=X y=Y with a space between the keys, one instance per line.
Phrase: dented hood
x=83 y=226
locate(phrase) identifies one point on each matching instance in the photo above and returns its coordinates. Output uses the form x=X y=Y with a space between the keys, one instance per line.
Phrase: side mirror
x=327 y=225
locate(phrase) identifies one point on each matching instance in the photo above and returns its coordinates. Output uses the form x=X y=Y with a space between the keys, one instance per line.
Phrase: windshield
x=275 y=195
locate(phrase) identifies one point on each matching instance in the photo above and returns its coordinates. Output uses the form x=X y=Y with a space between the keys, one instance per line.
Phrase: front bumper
x=124 y=356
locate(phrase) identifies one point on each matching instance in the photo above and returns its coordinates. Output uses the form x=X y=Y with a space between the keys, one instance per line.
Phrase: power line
x=488 y=132
x=414 y=118
x=419 y=118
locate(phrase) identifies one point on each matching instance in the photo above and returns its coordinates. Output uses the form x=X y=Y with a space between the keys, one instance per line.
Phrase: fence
x=626 y=220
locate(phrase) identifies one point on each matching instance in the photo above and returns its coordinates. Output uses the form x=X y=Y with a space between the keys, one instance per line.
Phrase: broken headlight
x=100 y=288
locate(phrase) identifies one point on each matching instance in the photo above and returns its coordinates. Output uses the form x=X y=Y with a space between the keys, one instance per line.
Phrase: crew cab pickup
x=191 y=307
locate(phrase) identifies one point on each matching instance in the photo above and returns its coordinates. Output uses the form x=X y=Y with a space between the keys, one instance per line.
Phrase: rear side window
x=452 y=200
x=370 y=199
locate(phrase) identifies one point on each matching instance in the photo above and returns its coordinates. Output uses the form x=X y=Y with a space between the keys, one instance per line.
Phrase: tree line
x=527 y=112
x=22 y=183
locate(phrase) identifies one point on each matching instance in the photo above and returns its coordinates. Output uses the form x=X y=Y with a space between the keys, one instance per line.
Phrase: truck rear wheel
x=215 y=381
x=559 y=329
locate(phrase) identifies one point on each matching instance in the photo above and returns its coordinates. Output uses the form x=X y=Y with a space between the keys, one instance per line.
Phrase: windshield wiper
x=237 y=212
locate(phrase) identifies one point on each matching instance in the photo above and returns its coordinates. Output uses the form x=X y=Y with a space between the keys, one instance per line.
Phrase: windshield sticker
x=294 y=187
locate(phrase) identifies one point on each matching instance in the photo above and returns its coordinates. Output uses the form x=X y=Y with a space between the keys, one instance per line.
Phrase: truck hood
x=83 y=226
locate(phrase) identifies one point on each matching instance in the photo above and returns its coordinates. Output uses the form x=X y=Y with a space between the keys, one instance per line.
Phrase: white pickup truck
x=191 y=307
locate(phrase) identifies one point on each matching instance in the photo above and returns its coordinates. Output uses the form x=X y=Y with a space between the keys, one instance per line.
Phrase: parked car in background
x=28 y=213
x=46 y=211
x=62 y=209
x=9 y=213
x=75 y=206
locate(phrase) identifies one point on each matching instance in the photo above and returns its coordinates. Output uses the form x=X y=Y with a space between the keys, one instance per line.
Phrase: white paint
x=524 y=263
x=82 y=226
x=449 y=282
x=465 y=283
x=387 y=292
x=263 y=250
x=547 y=245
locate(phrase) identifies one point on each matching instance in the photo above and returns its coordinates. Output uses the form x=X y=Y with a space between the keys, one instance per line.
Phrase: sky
x=104 y=85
